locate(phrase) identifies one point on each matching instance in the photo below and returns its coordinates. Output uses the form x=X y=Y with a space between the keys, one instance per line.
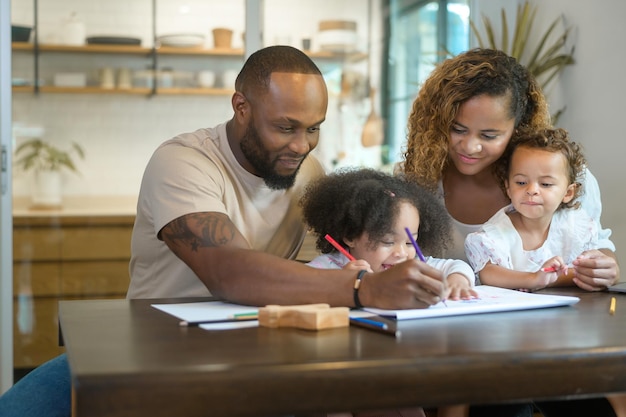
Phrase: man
x=218 y=214
x=218 y=208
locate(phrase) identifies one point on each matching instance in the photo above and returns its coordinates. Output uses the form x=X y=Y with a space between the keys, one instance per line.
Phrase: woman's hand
x=594 y=270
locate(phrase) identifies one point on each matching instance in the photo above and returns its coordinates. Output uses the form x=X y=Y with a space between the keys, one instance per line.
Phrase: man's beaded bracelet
x=357 y=285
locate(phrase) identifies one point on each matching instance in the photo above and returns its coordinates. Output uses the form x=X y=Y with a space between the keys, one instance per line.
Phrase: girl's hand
x=459 y=288
x=358 y=265
x=549 y=272
x=544 y=278
x=594 y=270
x=554 y=264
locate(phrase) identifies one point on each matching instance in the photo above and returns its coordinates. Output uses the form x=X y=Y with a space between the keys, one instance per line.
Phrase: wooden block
x=306 y=316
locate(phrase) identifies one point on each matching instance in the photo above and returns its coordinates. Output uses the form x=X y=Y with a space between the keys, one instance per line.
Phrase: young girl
x=366 y=212
x=530 y=243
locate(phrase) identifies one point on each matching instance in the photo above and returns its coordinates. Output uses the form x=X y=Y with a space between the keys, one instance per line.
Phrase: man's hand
x=409 y=284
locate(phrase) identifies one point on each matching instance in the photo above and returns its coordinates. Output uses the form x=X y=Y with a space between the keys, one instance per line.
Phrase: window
x=421 y=33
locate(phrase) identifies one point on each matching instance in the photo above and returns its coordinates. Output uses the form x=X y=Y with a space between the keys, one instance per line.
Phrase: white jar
x=124 y=79
x=73 y=31
x=206 y=79
x=166 y=78
x=107 y=78
x=228 y=78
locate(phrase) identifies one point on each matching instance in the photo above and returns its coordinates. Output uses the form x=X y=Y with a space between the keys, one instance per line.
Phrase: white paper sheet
x=205 y=311
x=221 y=313
x=230 y=325
x=491 y=299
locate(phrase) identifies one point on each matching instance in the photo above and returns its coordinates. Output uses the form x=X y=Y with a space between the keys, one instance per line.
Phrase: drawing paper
x=491 y=299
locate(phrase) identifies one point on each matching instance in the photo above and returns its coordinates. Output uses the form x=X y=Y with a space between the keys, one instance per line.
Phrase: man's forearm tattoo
x=213 y=231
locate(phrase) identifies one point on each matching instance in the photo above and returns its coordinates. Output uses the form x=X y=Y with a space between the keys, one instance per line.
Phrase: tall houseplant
x=545 y=60
x=46 y=161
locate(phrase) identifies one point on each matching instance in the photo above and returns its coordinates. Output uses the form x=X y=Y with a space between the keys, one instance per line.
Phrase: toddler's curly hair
x=350 y=202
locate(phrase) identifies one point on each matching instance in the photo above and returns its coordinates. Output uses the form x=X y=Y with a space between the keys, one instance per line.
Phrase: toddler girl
x=366 y=212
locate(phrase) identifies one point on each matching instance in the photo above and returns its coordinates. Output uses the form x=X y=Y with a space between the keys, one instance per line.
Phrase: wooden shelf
x=127 y=49
x=195 y=91
x=97 y=49
x=169 y=50
x=23 y=89
x=132 y=91
x=345 y=56
x=22 y=46
x=162 y=51
x=115 y=49
x=93 y=90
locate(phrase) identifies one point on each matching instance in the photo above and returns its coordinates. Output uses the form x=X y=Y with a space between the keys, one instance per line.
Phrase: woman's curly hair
x=551 y=140
x=350 y=202
x=453 y=82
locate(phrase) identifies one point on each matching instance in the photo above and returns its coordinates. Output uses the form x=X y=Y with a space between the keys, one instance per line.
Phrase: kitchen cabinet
x=79 y=252
x=62 y=257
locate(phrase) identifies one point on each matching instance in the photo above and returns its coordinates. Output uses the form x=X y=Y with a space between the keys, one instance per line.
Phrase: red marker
x=339 y=247
x=554 y=269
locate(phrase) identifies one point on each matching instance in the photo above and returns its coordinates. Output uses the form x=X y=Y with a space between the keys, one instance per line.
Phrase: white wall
x=593 y=90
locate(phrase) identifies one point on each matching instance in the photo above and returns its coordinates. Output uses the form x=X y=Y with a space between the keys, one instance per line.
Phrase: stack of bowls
x=337 y=36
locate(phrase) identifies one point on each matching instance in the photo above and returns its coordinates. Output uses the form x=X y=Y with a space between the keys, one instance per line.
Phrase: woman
x=468 y=112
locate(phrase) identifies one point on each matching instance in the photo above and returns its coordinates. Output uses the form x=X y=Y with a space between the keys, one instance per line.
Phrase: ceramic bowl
x=20 y=33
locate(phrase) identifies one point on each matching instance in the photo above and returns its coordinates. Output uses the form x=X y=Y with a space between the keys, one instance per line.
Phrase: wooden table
x=130 y=359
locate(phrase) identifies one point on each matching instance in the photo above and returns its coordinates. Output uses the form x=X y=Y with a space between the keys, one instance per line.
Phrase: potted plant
x=545 y=59
x=46 y=161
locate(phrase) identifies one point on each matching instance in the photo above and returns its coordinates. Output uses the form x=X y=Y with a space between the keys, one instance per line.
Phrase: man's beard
x=258 y=156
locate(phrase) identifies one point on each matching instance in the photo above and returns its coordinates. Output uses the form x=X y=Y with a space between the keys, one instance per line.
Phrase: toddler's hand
x=459 y=288
x=358 y=265
x=545 y=276
x=555 y=264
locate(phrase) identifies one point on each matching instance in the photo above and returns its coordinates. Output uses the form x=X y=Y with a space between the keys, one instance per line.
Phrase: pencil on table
x=377 y=326
x=612 y=308
x=241 y=316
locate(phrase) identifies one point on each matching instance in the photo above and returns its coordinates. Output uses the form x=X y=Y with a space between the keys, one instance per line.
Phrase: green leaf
x=505 y=32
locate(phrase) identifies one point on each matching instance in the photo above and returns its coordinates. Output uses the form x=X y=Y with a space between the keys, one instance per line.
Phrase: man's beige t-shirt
x=197 y=172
